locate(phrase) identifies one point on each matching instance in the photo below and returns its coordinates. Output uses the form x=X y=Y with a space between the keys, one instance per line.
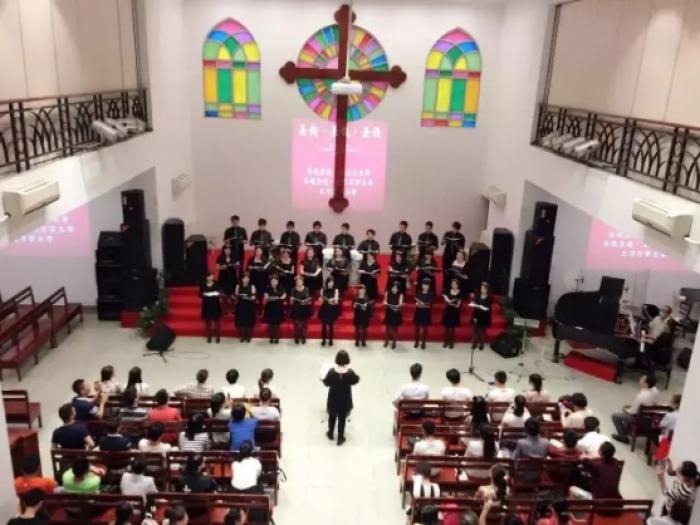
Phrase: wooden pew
x=63 y=312
x=95 y=509
x=26 y=338
x=646 y=424
x=454 y=438
x=19 y=410
x=268 y=435
x=210 y=509
x=194 y=405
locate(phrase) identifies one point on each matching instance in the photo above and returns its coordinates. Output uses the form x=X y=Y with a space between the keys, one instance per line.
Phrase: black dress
x=274 y=309
x=393 y=316
x=460 y=273
x=211 y=304
x=422 y=315
x=228 y=275
x=482 y=318
x=340 y=390
x=450 y=315
x=363 y=312
x=328 y=313
x=301 y=304
x=369 y=278
x=426 y=270
x=258 y=275
x=245 y=307
x=398 y=272
x=286 y=275
x=311 y=281
x=340 y=270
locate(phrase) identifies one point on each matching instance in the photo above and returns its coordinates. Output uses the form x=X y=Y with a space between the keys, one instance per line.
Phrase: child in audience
x=31 y=479
x=106 y=384
x=194 y=438
x=135 y=483
x=161 y=411
x=233 y=390
x=82 y=478
x=152 y=442
x=265 y=411
x=536 y=394
x=517 y=413
x=500 y=393
x=135 y=380
x=415 y=389
x=87 y=408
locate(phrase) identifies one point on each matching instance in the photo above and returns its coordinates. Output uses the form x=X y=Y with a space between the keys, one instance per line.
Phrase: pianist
x=660 y=324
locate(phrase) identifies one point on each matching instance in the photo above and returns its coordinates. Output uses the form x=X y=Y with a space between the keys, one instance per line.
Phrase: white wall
x=50 y=47
x=244 y=167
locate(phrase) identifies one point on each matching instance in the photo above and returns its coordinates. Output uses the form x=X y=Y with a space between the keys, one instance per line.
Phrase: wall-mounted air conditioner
x=495 y=195
x=30 y=197
x=673 y=224
x=180 y=183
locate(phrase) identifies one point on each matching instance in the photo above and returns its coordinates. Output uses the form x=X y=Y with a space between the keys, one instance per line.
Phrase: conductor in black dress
x=210 y=293
x=481 y=317
x=339 y=381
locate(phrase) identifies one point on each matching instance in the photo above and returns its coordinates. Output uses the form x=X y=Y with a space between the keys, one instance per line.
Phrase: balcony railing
x=34 y=131
x=659 y=154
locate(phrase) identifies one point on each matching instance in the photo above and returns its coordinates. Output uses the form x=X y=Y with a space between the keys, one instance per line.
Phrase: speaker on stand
x=173 y=239
x=502 y=244
x=196 y=258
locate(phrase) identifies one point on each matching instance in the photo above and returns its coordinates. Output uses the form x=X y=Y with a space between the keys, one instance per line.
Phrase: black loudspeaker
x=507 y=344
x=478 y=264
x=196 y=258
x=537 y=258
x=139 y=287
x=162 y=339
x=109 y=248
x=136 y=245
x=612 y=287
x=109 y=309
x=173 y=239
x=133 y=206
x=109 y=280
x=530 y=300
x=502 y=245
x=545 y=218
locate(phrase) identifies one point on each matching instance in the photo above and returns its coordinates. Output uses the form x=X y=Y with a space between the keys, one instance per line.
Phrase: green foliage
x=509 y=314
x=151 y=315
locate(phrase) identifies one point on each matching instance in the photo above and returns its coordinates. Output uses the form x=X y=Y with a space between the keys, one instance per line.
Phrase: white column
x=8 y=500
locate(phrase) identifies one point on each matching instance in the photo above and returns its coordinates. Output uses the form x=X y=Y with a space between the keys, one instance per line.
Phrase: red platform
x=591 y=366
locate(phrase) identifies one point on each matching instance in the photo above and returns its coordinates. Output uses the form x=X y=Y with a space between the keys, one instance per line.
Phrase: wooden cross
x=291 y=73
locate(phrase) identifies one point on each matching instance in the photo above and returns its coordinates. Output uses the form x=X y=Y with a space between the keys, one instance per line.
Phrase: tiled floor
x=352 y=484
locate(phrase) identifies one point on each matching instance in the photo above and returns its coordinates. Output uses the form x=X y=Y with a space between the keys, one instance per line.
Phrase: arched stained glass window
x=231 y=65
x=452 y=82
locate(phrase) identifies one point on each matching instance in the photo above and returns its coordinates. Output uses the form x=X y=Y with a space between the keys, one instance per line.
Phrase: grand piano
x=591 y=317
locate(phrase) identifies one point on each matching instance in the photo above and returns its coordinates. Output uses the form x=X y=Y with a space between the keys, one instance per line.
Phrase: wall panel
x=39 y=51
x=683 y=103
x=13 y=83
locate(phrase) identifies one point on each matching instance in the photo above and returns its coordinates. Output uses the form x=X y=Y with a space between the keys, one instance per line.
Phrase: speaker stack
x=478 y=265
x=108 y=271
x=502 y=244
x=196 y=259
x=531 y=289
x=173 y=240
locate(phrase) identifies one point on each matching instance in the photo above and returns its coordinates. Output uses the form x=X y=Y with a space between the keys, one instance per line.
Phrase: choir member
x=258 y=269
x=312 y=271
x=210 y=293
x=329 y=311
x=236 y=236
x=369 y=276
x=363 y=307
x=393 y=302
x=481 y=318
x=458 y=270
x=422 y=316
x=261 y=237
x=274 y=309
x=316 y=239
x=290 y=239
x=245 y=307
x=398 y=271
x=453 y=241
x=339 y=267
x=450 y=315
x=285 y=267
x=426 y=270
x=427 y=241
x=228 y=275
x=369 y=245
x=344 y=239
x=301 y=309
x=401 y=240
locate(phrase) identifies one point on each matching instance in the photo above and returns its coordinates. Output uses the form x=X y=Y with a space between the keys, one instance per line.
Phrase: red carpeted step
x=591 y=366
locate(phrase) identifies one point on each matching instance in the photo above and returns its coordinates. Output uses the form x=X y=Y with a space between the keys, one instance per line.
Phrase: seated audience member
x=236 y=516
x=198 y=389
x=604 y=473
x=131 y=411
x=193 y=478
x=500 y=393
x=194 y=438
x=429 y=515
x=497 y=490
x=479 y=413
x=31 y=479
x=152 y=442
x=573 y=415
x=107 y=384
x=136 y=381
x=233 y=390
x=114 y=441
x=86 y=409
x=176 y=515
x=265 y=381
x=265 y=411
x=423 y=487
x=82 y=478
x=242 y=426
x=30 y=504
x=246 y=471
x=517 y=414
x=661 y=323
x=486 y=446
x=161 y=411
x=591 y=441
x=429 y=445
x=683 y=487
x=71 y=435
x=648 y=395
x=123 y=514
x=134 y=482
x=415 y=389
x=536 y=394
x=668 y=423
x=533 y=445
x=568 y=450
x=219 y=409
x=678 y=515
x=455 y=391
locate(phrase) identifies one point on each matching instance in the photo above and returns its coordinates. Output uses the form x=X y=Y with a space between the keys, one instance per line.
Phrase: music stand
x=520 y=370
x=472 y=367
x=160 y=353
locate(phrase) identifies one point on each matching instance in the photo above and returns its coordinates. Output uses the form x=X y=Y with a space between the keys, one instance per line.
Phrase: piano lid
x=589 y=310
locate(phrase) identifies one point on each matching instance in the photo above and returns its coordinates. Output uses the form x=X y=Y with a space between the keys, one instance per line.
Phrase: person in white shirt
x=648 y=395
x=135 y=483
x=536 y=394
x=246 y=472
x=517 y=414
x=423 y=487
x=455 y=392
x=152 y=442
x=265 y=381
x=590 y=443
x=574 y=415
x=500 y=393
x=265 y=411
x=659 y=324
x=486 y=446
x=415 y=389
x=668 y=422
x=233 y=390
x=429 y=445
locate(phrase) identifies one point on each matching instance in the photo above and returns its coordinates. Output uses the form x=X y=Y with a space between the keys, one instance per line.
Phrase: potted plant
x=152 y=315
